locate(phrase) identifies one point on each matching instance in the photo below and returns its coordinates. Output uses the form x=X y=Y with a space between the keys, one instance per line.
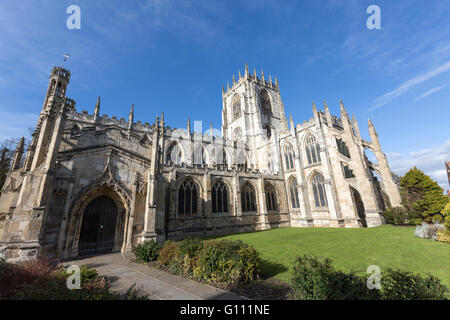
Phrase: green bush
x=401 y=285
x=169 y=257
x=314 y=279
x=225 y=262
x=147 y=251
x=400 y=216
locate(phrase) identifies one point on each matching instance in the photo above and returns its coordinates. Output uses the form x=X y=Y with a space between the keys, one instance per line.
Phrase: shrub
x=443 y=236
x=227 y=262
x=314 y=279
x=147 y=251
x=169 y=256
x=428 y=231
x=224 y=262
x=446 y=215
x=401 y=285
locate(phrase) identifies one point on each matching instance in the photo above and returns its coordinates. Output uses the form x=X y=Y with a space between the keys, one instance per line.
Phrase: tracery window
x=318 y=184
x=342 y=147
x=293 y=191
x=289 y=156
x=248 y=198
x=187 y=198
x=75 y=131
x=173 y=154
x=219 y=197
x=265 y=102
x=271 y=202
x=312 y=149
x=236 y=106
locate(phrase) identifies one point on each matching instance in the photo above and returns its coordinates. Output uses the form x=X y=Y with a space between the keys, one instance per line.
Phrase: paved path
x=157 y=284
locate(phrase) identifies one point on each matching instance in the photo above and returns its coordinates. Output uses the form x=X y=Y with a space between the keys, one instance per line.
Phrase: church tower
x=253 y=112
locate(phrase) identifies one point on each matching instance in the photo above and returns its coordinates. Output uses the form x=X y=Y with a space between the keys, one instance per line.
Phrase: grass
x=350 y=249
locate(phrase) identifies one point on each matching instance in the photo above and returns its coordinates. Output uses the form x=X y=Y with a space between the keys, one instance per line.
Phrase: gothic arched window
x=248 y=198
x=271 y=200
x=265 y=102
x=173 y=154
x=236 y=106
x=312 y=149
x=219 y=197
x=187 y=198
x=293 y=192
x=289 y=156
x=318 y=185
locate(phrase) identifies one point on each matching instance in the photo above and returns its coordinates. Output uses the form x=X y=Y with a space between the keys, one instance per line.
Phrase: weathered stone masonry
x=90 y=183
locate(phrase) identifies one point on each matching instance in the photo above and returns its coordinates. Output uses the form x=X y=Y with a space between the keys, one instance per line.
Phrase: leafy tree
x=423 y=194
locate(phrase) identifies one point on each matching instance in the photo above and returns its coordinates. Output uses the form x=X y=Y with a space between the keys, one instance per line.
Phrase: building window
x=289 y=156
x=242 y=161
x=219 y=197
x=268 y=130
x=318 y=185
x=75 y=131
x=187 y=198
x=173 y=154
x=312 y=150
x=248 y=198
x=236 y=106
x=293 y=191
x=271 y=202
x=265 y=103
x=348 y=173
x=342 y=147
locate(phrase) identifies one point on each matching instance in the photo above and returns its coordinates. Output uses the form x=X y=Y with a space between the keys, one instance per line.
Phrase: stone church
x=90 y=183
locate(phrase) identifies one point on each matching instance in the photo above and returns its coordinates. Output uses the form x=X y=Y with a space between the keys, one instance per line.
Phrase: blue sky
x=174 y=56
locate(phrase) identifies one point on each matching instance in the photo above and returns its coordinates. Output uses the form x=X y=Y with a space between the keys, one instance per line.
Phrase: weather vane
x=66 y=56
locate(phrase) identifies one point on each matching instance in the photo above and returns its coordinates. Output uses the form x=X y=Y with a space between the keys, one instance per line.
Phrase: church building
x=89 y=183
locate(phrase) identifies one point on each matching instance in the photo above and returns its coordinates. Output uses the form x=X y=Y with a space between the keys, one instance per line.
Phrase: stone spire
x=291 y=121
x=211 y=130
x=254 y=73
x=162 y=119
x=270 y=79
x=246 y=71
x=262 y=75
x=356 y=126
x=314 y=108
x=130 y=120
x=189 y=125
x=97 y=110
x=18 y=155
x=234 y=80
x=343 y=111
x=240 y=76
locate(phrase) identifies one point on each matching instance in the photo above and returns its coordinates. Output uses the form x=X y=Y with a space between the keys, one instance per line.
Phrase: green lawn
x=350 y=249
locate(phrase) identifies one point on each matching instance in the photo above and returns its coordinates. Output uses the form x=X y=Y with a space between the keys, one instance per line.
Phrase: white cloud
x=387 y=97
x=431 y=161
x=426 y=94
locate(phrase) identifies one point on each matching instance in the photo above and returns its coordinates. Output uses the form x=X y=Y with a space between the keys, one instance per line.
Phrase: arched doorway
x=98 y=228
x=359 y=204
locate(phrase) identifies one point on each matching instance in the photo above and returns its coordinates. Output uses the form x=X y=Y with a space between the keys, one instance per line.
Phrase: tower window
x=266 y=108
x=348 y=173
x=236 y=106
